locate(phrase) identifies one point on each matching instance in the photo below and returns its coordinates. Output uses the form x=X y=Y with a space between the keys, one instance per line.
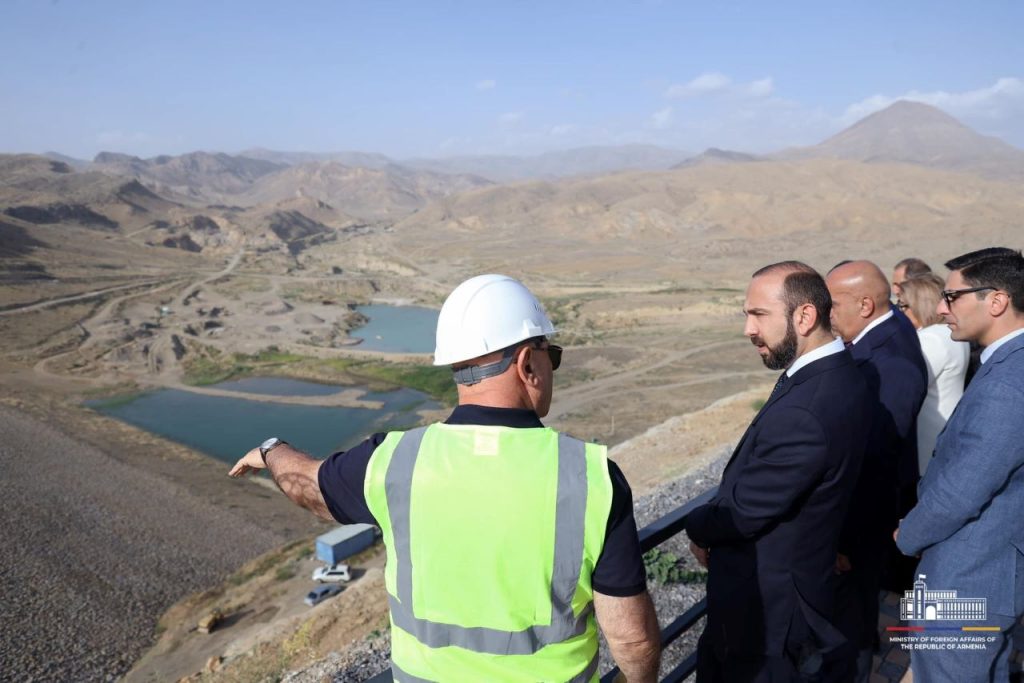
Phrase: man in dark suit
x=888 y=352
x=769 y=537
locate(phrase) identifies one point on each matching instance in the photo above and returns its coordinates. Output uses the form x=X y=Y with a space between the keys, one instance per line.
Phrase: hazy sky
x=425 y=78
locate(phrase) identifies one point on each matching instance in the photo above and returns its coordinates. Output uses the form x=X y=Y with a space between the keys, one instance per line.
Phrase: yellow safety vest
x=492 y=534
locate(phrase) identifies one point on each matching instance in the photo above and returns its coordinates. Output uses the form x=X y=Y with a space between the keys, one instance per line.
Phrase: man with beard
x=886 y=349
x=769 y=536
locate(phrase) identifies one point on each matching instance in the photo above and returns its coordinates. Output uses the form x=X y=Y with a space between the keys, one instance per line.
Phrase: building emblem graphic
x=921 y=604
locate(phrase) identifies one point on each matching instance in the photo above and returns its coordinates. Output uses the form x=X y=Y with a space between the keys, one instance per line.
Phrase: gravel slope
x=94 y=550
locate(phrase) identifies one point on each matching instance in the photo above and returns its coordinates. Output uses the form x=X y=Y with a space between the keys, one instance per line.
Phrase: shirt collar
x=872 y=325
x=834 y=346
x=489 y=416
x=991 y=348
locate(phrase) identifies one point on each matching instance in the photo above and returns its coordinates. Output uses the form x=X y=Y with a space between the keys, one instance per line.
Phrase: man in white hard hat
x=505 y=539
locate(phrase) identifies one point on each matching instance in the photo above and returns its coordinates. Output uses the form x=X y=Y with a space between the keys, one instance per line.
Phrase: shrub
x=665 y=568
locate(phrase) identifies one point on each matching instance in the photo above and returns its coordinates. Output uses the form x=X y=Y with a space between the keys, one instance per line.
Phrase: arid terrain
x=126 y=274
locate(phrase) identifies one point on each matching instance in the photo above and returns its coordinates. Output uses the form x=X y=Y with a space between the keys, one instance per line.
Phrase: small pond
x=226 y=428
x=397 y=329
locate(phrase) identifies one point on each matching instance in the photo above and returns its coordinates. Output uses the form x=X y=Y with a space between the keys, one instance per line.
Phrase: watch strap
x=265 y=450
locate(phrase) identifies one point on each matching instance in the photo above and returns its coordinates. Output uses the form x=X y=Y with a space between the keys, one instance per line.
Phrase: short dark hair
x=913 y=267
x=998 y=267
x=803 y=285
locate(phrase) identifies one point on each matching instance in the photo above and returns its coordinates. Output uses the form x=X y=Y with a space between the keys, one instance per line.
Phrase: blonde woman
x=946 y=360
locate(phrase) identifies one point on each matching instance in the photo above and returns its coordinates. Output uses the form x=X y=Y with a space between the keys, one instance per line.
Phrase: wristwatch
x=269 y=445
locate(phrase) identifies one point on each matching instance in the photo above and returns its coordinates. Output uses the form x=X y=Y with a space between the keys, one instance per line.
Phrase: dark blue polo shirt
x=620 y=569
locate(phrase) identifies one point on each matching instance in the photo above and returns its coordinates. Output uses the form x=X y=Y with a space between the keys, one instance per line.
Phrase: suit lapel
x=737 y=450
x=771 y=401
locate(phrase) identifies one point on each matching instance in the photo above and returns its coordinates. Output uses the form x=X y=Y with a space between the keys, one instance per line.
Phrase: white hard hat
x=484 y=314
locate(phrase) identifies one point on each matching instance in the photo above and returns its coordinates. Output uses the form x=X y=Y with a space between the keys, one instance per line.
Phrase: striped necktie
x=781 y=382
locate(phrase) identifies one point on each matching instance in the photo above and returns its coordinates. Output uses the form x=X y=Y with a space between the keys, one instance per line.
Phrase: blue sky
x=444 y=78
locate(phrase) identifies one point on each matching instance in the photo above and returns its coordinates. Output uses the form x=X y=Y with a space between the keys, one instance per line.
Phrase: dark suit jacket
x=773 y=526
x=890 y=358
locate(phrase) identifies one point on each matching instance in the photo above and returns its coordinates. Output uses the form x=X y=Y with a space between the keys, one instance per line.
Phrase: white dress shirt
x=834 y=346
x=991 y=348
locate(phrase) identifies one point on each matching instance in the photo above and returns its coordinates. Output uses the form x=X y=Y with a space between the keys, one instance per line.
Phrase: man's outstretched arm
x=631 y=628
x=294 y=472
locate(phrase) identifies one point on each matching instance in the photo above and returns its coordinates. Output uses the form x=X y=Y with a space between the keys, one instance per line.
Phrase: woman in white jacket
x=946 y=360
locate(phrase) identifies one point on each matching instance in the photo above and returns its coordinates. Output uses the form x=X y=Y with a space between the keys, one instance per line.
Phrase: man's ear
x=524 y=366
x=805 y=317
x=867 y=307
x=1000 y=302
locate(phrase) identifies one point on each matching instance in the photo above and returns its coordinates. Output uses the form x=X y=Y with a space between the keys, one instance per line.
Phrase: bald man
x=886 y=349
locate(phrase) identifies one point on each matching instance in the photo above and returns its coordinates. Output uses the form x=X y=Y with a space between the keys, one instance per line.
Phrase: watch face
x=268 y=443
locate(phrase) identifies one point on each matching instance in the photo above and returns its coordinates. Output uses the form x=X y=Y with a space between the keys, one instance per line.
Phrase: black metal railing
x=651 y=536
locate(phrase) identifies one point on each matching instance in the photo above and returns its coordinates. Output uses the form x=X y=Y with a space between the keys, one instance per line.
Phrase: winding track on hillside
x=604 y=389
x=39 y=305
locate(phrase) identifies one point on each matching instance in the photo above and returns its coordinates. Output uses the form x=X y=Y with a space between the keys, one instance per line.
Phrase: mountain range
x=900 y=169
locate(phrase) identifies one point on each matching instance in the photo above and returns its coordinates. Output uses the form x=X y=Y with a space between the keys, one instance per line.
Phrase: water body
x=397 y=329
x=226 y=428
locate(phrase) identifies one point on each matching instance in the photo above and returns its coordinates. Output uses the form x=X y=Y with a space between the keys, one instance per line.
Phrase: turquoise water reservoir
x=397 y=329
x=226 y=428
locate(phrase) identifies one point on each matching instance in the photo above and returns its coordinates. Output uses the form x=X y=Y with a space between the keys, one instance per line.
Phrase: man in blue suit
x=886 y=349
x=968 y=525
x=769 y=537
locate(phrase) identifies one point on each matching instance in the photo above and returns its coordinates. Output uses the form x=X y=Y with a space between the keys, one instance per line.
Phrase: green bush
x=665 y=568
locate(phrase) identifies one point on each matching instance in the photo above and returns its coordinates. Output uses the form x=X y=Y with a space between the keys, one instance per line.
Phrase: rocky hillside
x=369 y=194
x=39 y=191
x=714 y=217
x=200 y=176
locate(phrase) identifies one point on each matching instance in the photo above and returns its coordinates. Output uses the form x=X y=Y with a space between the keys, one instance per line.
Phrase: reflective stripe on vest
x=570 y=517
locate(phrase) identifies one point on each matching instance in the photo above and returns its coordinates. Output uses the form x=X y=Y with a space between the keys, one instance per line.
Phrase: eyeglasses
x=902 y=306
x=554 y=353
x=951 y=295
